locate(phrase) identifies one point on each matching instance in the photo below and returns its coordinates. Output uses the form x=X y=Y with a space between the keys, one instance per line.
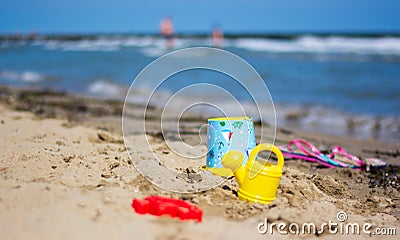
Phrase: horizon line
x=26 y=35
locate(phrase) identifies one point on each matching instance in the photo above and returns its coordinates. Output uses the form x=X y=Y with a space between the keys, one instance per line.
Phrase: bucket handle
x=266 y=147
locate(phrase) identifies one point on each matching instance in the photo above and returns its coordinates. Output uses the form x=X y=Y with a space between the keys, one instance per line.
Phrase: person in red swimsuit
x=217 y=37
x=167 y=31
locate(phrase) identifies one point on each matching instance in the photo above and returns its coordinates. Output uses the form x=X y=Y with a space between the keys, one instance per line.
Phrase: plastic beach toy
x=258 y=180
x=158 y=206
x=225 y=134
x=337 y=158
x=365 y=164
x=314 y=154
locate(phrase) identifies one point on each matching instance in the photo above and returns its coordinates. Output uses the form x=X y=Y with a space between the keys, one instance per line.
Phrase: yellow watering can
x=258 y=180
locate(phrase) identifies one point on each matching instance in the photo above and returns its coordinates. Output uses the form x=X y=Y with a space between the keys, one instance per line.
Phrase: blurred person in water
x=217 y=37
x=167 y=31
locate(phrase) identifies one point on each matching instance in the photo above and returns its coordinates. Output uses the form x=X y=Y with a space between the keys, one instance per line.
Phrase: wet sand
x=65 y=173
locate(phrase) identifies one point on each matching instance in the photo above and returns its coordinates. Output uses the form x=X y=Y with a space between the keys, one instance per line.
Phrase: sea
x=340 y=84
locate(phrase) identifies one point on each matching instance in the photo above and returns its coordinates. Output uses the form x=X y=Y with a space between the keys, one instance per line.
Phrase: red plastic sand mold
x=158 y=206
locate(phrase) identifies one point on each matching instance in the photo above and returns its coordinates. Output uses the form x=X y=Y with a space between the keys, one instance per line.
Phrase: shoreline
x=307 y=118
x=64 y=172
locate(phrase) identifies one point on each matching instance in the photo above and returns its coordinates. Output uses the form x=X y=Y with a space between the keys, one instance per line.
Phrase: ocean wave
x=107 y=89
x=25 y=76
x=330 y=45
x=98 y=44
x=158 y=46
x=151 y=46
x=83 y=45
x=155 y=46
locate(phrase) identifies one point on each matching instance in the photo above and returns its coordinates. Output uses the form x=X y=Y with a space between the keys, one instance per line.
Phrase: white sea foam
x=156 y=45
x=26 y=76
x=158 y=48
x=311 y=44
x=153 y=46
x=149 y=46
x=136 y=41
x=84 y=45
x=153 y=51
x=107 y=89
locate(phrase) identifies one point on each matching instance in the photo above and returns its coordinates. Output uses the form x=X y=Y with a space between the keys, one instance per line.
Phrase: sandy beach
x=65 y=174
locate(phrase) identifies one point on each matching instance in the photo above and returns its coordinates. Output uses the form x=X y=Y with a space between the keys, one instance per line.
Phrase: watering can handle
x=267 y=147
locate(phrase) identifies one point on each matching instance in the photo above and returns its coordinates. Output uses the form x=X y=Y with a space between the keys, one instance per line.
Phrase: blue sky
x=80 y=16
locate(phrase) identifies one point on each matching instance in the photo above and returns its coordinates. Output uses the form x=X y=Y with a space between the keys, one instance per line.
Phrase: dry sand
x=65 y=173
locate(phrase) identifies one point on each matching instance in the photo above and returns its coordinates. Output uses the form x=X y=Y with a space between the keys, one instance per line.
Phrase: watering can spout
x=233 y=161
